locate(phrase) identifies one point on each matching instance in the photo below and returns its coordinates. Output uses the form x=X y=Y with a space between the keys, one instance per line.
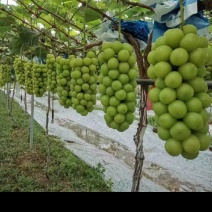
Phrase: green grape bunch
x=52 y=73
x=117 y=84
x=39 y=75
x=5 y=75
x=28 y=68
x=180 y=100
x=64 y=81
x=19 y=70
x=84 y=83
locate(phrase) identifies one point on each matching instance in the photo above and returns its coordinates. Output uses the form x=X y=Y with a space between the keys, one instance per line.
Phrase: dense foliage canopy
x=35 y=27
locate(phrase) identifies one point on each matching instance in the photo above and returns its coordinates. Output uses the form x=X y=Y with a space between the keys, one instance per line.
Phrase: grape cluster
x=179 y=97
x=52 y=73
x=19 y=70
x=117 y=83
x=64 y=81
x=39 y=79
x=28 y=68
x=208 y=65
x=5 y=75
x=84 y=83
x=208 y=75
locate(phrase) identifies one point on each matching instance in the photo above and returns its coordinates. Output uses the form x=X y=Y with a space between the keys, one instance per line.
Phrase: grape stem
x=136 y=4
x=182 y=14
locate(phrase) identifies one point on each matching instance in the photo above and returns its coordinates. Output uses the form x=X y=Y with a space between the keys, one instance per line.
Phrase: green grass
x=23 y=170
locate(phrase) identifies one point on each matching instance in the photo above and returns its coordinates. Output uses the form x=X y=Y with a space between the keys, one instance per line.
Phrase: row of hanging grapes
x=179 y=63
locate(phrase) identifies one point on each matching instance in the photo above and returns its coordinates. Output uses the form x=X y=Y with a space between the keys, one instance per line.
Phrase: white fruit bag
x=167 y=15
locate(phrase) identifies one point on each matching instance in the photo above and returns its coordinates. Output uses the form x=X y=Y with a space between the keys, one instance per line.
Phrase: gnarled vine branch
x=142 y=124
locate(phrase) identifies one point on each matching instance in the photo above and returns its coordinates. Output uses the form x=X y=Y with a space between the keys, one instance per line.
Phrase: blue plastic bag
x=138 y=29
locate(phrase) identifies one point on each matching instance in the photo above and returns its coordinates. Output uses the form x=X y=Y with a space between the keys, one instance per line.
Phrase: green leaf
x=27 y=36
x=6 y=21
x=15 y=45
x=22 y=40
x=4 y=29
x=40 y=52
x=91 y=15
x=136 y=13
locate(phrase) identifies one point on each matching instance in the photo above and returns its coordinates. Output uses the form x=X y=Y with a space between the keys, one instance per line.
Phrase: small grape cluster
x=19 y=70
x=208 y=75
x=64 y=81
x=28 y=67
x=52 y=73
x=208 y=65
x=84 y=83
x=39 y=79
x=5 y=75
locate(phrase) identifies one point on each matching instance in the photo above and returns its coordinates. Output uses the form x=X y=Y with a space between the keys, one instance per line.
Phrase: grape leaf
x=91 y=15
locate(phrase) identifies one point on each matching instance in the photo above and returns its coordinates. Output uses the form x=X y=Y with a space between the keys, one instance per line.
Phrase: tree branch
x=142 y=124
x=99 y=11
x=135 y=4
x=139 y=56
x=88 y=46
